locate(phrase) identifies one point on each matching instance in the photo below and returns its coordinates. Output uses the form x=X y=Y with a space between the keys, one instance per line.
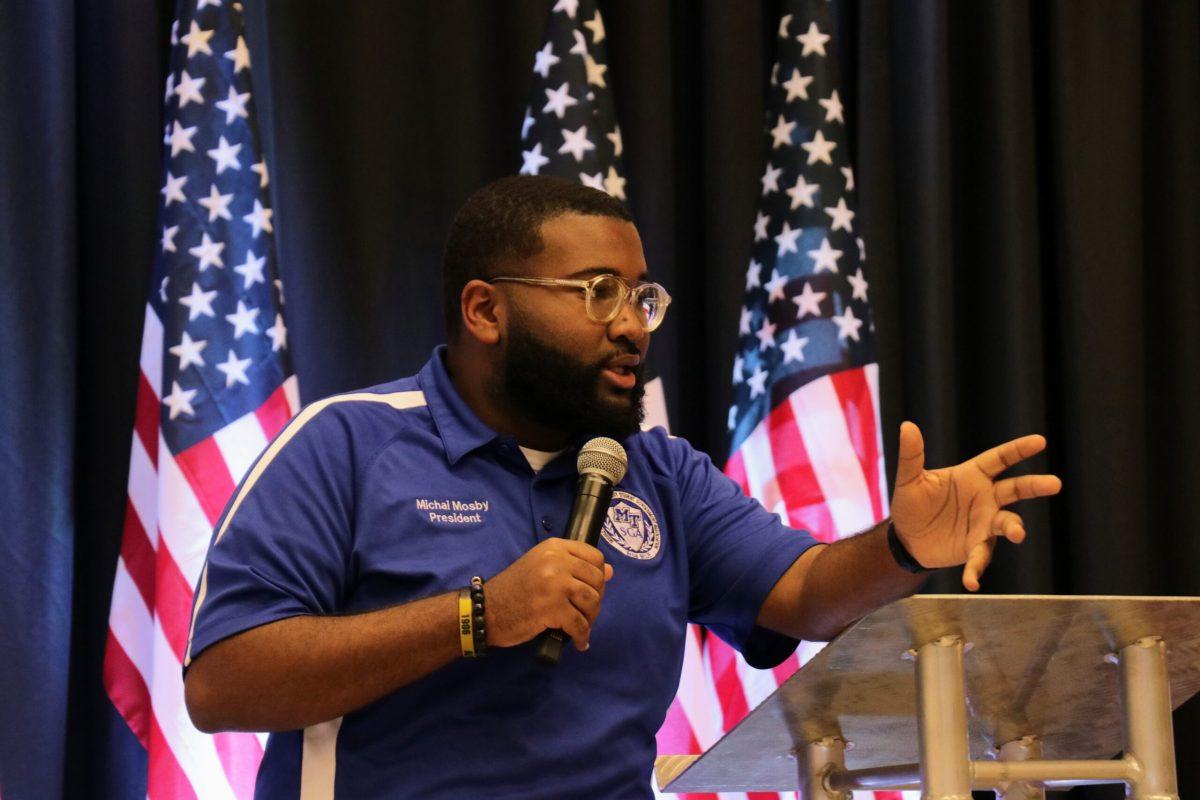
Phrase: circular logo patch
x=631 y=527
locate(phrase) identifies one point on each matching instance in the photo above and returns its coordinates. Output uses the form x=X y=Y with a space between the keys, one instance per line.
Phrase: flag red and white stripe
x=215 y=385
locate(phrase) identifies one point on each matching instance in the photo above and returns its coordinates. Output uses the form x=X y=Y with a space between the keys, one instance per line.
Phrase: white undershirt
x=539 y=458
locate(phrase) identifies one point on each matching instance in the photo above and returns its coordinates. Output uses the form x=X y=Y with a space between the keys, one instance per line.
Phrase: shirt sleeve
x=737 y=551
x=282 y=547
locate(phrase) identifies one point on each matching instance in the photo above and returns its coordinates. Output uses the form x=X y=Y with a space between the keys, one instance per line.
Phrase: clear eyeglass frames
x=604 y=294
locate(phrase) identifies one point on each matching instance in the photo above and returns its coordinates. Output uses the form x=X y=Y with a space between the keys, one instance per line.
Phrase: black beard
x=555 y=390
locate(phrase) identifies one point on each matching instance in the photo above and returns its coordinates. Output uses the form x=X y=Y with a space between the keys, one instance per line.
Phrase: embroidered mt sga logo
x=453 y=512
x=631 y=527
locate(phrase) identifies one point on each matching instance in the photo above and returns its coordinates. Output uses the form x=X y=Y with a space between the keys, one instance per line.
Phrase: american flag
x=805 y=419
x=216 y=385
x=570 y=128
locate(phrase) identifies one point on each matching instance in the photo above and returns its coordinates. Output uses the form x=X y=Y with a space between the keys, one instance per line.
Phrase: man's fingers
x=1001 y=457
x=977 y=562
x=1009 y=525
x=576 y=626
x=912 y=454
x=586 y=600
x=590 y=574
x=1024 y=487
x=583 y=550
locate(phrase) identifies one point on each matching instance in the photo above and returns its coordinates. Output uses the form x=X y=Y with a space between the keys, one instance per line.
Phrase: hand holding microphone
x=556 y=587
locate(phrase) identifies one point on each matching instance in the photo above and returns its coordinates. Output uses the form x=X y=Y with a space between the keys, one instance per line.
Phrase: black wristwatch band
x=901 y=554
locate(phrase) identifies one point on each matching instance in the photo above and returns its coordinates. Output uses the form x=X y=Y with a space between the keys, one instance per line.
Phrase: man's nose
x=628 y=324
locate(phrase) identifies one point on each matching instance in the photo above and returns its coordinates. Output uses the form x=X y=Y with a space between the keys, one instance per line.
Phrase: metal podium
x=949 y=693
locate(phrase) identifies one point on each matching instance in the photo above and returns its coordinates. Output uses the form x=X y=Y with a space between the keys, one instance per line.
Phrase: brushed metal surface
x=1035 y=666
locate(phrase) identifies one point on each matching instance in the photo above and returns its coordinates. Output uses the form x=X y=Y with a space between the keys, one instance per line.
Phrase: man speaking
x=376 y=588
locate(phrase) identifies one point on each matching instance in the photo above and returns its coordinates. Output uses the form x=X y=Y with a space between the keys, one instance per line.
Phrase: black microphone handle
x=592 y=497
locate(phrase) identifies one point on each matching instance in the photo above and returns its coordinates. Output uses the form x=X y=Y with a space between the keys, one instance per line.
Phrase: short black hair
x=503 y=220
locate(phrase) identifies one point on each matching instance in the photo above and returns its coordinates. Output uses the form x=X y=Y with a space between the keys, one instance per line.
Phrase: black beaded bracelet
x=478 y=631
x=900 y=553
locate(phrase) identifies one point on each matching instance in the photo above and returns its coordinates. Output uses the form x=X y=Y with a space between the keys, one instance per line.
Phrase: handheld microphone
x=601 y=464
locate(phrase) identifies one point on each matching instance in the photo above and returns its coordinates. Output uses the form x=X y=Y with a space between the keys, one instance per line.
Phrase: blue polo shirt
x=399 y=492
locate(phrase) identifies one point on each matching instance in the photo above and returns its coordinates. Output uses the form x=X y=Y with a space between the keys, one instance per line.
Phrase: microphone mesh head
x=603 y=456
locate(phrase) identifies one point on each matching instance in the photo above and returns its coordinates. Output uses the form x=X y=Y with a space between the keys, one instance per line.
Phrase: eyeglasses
x=604 y=294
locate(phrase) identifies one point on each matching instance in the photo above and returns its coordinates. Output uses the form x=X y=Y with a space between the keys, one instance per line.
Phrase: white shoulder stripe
x=397 y=400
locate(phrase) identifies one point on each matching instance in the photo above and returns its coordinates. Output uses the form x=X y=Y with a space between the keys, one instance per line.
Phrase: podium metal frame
x=1135 y=632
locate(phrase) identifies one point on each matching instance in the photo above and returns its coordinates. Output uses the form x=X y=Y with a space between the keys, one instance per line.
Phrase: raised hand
x=954 y=515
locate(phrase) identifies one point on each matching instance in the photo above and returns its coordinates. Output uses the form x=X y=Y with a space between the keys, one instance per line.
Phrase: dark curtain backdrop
x=1028 y=184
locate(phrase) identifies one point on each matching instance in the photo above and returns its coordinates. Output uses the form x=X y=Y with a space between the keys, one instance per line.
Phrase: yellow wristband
x=466 y=633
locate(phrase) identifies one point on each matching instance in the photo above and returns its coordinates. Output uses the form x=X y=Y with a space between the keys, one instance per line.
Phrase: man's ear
x=483 y=311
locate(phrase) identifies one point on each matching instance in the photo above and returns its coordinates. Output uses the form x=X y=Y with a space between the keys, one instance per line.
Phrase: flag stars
x=766 y=335
x=783 y=26
x=544 y=59
x=841 y=216
x=833 y=108
x=596 y=26
x=862 y=249
x=595 y=73
x=787 y=239
x=739 y=366
x=576 y=142
x=775 y=286
x=180 y=139
x=234 y=105
x=277 y=332
x=744 y=323
x=559 y=100
x=770 y=180
x=533 y=160
x=595 y=181
x=261 y=169
x=825 y=257
x=580 y=47
x=757 y=382
x=526 y=123
x=808 y=302
x=197 y=40
x=242 y=320
x=731 y=420
x=802 y=193
x=188 y=90
x=782 y=133
x=793 y=347
x=239 y=55
x=797 y=86
x=209 y=252
x=252 y=270
x=168 y=238
x=179 y=401
x=614 y=184
x=225 y=155
x=217 y=203
x=259 y=219
x=860 y=285
x=615 y=138
x=813 y=40
x=568 y=7
x=199 y=302
x=234 y=369
x=819 y=149
x=847 y=324
x=753 y=273
x=760 y=227
x=188 y=352
x=173 y=189
x=848 y=174
x=162 y=289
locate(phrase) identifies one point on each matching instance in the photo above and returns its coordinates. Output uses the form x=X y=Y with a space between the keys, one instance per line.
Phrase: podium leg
x=817 y=761
x=1146 y=727
x=1027 y=748
x=942 y=721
